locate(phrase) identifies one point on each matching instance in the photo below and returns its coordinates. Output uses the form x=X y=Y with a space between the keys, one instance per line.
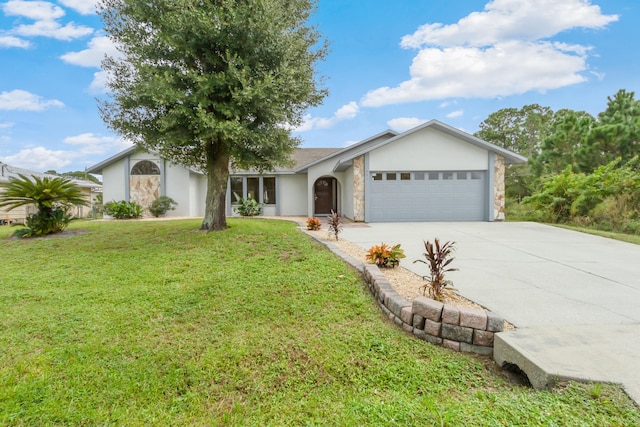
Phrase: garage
x=428 y=196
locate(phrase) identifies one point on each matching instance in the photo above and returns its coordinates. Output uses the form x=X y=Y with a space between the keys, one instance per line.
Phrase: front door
x=324 y=195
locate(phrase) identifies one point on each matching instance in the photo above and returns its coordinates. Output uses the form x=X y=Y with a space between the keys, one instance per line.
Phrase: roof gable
x=509 y=156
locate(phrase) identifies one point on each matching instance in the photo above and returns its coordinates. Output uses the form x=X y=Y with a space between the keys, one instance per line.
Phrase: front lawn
x=156 y=324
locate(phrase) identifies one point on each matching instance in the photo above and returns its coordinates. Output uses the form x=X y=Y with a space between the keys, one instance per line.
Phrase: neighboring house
x=89 y=189
x=432 y=172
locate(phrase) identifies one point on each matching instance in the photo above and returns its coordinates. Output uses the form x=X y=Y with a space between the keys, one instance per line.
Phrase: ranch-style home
x=432 y=172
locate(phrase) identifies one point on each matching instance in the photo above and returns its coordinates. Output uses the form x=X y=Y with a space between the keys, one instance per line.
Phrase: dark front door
x=325 y=199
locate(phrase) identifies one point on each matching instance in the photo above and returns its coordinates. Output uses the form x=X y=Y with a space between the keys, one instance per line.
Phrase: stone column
x=498 y=193
x=358 y=188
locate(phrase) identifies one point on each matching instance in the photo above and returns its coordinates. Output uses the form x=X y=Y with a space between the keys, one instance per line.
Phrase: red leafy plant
x=437 y=257
x=335 y=223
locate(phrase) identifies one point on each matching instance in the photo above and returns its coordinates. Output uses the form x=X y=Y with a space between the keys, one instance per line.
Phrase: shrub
x=161 y=205
x=576 y=197
x=52 y=197
x=438 y=257
x=313 y=224
x=248 y=207
x=335 y=223
x=41 y=224
x=384 y=255
x=123 y=210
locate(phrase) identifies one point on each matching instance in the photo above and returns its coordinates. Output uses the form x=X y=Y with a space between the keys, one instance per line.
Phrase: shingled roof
x=300 y=158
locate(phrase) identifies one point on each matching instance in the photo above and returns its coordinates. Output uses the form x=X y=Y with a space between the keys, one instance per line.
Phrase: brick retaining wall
x=454 y=327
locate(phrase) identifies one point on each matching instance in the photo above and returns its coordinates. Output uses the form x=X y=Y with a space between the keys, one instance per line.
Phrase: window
x=376 y=176
x=145 y=167
x=461 y=175
x=269 y=191
x=418 y=176
x=262 y=189
x=253 y=188
x=447 y=175
x=434 y=176
x=476 y=175
x=236 y=189
x=405 y=176
x=391 y=176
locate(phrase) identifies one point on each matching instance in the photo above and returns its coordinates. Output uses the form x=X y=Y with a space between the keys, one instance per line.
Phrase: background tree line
x=581 y=168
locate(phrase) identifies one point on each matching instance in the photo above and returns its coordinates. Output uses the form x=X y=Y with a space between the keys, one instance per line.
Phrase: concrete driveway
x=531 y=274
x=553 y=284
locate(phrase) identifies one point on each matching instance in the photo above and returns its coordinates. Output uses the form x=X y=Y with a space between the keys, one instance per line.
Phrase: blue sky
x=393 y=64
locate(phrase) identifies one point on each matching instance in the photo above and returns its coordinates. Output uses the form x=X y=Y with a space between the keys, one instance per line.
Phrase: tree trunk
x=215 y=216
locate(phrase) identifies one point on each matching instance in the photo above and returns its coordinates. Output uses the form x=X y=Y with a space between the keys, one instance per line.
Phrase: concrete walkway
x=574 y=297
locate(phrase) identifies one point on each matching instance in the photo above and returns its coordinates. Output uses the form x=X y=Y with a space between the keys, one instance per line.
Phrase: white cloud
x=89 y=143
x=454 y=114
x=501 y=51
x=25 y=101
x=6 y=125
x=53 y=29
x=447 y=104
x=84 y=7
x=504 y=20
x=93 y=55
x=45 y=15
x=405 y=123
x=99 y=83
x=504 y=69
x=10 y=41
x=97 y=49
x=37 y=10
x=346 y=112
x=41 y=159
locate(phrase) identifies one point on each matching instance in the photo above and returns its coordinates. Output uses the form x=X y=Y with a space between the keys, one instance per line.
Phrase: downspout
x=163 y=178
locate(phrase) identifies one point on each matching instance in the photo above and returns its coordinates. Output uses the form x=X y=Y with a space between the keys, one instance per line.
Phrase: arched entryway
x=325 y=195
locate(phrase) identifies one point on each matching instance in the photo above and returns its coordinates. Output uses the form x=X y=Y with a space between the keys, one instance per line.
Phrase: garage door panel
x=440 y=196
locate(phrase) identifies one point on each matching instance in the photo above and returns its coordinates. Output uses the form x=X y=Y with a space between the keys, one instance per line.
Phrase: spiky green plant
x=52 y=198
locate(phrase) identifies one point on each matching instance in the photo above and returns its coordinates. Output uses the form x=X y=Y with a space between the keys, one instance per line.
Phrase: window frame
x=260 y=189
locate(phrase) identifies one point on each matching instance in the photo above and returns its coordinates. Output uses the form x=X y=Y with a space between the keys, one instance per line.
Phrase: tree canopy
x=212 y=84
x=554 y=140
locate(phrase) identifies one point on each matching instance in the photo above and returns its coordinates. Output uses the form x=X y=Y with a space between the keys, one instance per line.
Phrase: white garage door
x=427 y=196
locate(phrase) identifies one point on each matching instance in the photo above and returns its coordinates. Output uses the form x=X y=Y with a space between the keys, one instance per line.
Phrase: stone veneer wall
x=457 y=328
x=498 y=193
x=144 y=189
x=358 y=188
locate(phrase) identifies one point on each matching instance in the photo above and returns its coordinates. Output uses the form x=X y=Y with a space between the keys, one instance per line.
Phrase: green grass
x=156 y=324
x=629 y=238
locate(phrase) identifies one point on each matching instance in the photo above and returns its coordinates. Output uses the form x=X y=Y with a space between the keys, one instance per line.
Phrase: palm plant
x=52 y=198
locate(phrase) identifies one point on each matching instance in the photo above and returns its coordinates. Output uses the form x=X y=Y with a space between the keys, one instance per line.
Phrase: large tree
x=559 y=149
x=617 y=133
x=212 y=84
x=519 y=130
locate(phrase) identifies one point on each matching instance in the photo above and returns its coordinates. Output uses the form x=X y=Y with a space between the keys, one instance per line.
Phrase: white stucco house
x=432 y=172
